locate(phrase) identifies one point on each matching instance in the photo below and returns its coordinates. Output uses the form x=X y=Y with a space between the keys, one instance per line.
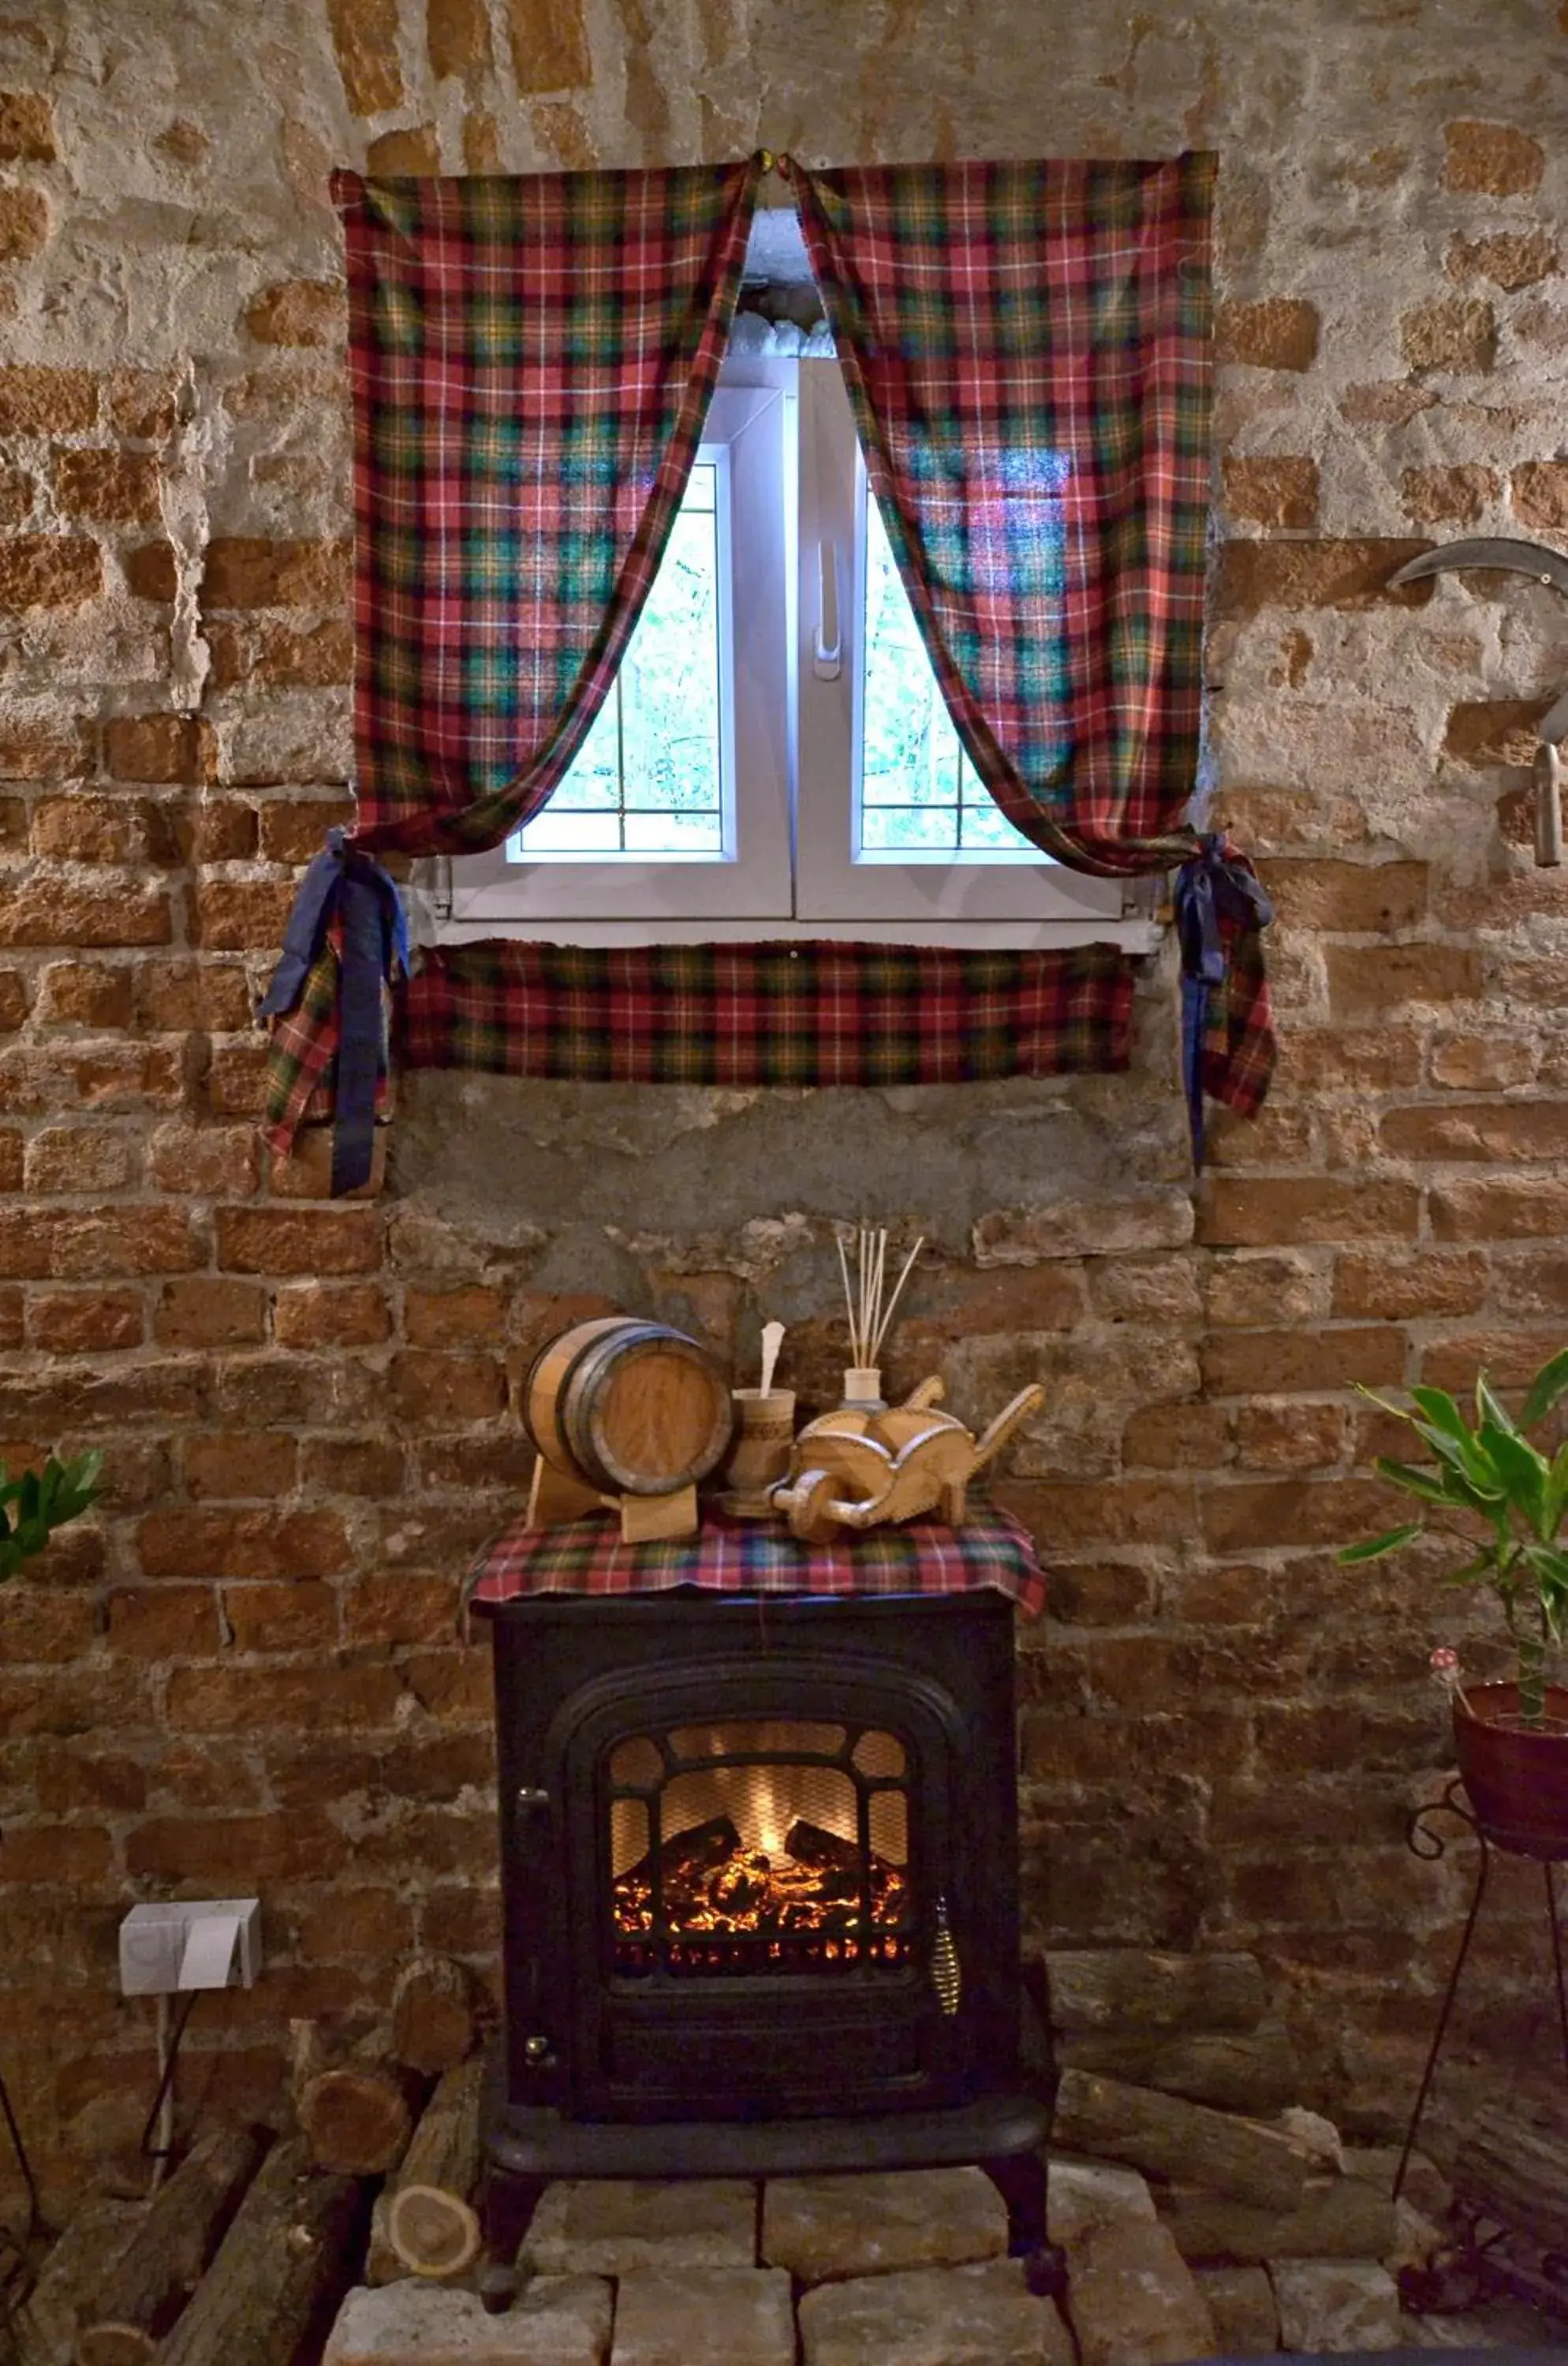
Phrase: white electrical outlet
x=209 y=1942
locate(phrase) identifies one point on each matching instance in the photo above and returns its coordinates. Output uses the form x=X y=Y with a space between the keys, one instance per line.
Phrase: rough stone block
x=826 y=2226
x=1088 y=2193
x=554 y=2321
x=717 y=2316
x=1458 y=332
x=1242 y=2305
x=1279 y=333
x=1492 y=160
x=612 y=2227
x=1339 y=2218
x=1125 y=1987
x=978 y=2316
x=1130 y=2297
x=1170 y=2138
x=1335 y=2305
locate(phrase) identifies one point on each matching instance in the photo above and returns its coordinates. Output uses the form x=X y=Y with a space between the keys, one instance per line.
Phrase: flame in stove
x=714 y=1888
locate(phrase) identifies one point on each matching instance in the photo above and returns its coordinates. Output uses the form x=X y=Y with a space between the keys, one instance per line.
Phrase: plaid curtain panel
x=767 y=1014
x=1027 y=347
x=532 y=359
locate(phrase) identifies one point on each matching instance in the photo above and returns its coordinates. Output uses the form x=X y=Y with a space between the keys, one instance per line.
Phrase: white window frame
x=793 y=485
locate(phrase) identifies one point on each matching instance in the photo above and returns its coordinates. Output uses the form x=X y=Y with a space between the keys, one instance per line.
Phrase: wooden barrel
x=631 y=1408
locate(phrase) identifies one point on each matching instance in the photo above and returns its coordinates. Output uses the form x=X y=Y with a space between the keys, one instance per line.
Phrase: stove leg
x=506 y=2211
x=1020 y=2178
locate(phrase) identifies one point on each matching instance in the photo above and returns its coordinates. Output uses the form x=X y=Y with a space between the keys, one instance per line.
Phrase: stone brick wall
x=244 y=1674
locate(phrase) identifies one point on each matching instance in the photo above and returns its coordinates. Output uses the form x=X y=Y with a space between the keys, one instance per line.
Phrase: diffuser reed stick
x=868 y=1308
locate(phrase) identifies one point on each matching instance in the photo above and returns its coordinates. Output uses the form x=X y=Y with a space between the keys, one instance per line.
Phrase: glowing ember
x=805 y=1903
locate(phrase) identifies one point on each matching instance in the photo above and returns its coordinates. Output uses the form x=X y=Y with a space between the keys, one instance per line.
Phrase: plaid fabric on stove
x=761 y=1557
x=768 y=1014
x=532 y=358
x=1027 y=347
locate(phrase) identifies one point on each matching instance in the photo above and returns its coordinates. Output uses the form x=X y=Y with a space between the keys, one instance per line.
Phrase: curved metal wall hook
x=1548 y=566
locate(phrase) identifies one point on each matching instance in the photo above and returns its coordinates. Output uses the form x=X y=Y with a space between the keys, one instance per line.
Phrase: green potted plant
x=33 y=1505
x=1505 y=1500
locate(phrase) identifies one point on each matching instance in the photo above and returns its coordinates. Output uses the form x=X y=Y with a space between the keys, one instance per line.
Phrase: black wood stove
x=758 y=1860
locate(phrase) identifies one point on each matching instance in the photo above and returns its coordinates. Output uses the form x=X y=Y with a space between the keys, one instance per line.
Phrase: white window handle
x=826 y=661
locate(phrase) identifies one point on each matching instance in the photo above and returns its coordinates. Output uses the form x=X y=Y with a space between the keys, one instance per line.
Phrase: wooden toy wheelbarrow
x=855 y=1470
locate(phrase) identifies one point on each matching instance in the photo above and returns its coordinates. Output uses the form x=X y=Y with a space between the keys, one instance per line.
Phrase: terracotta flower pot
x=1516 y=1776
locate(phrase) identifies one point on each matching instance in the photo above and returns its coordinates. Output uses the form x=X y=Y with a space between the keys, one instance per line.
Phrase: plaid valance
x=768 y=1014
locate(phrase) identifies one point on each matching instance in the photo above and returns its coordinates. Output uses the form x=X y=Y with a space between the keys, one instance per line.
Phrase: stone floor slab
x=1132 y=2299
x=823 y=2227
x=614 y=2226
x=983 y=2314
x=554 y=2321
x=1082 y=2194
x=714 y=2317
x=1335 y=2305
x=1242 y=2305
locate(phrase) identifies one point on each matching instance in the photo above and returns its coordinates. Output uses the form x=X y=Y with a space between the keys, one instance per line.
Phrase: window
x=776 y=758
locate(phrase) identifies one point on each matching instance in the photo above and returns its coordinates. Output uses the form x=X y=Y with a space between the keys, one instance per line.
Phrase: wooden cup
x=759 y=1452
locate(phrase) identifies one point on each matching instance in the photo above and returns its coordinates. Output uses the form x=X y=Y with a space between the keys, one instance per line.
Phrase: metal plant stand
x=1475 y=2259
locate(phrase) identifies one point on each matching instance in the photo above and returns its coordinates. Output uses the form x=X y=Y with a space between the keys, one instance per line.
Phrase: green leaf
x=1442 y=1412
x=1375 y=1547
x=1385 y=1404
x=1524 y=1471
x=1548 y=1385
x=1557 y=1490
x=1552 y=1573
x=1468 y=1459
x=43 y=1501
x=1414 y=1481
x=1488 y=1409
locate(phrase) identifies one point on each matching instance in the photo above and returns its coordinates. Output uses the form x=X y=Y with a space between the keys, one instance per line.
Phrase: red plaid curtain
x=531 y=361
x=1027 y=347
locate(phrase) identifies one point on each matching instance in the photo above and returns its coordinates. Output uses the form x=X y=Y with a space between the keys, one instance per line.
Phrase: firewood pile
x=1508 y=2222
x=242 y=2256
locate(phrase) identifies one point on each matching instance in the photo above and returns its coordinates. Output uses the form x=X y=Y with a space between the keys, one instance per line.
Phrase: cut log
x=431 y=2223
x=1127 y=1989
x=1255 y=2070
x=163 y=2262
x=1515 y=2172
x=280 y=2270
x=425 y=2223
x=1167 y=2137
x=356 y=2114
x=355 y=2122
x=434 y=2016
x=70 y=2278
